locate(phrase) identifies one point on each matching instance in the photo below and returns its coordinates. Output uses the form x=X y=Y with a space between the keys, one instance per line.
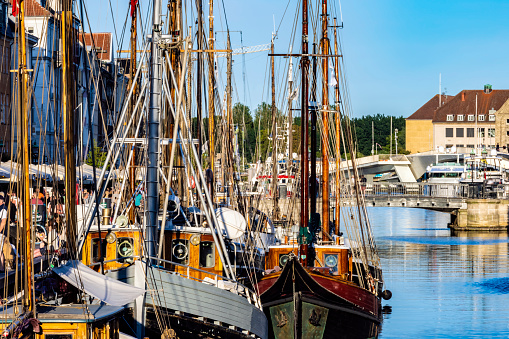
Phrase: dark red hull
x=300 y=303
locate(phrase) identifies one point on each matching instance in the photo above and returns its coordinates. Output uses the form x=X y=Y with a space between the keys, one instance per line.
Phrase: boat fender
x=192 y=183
x=386 y=294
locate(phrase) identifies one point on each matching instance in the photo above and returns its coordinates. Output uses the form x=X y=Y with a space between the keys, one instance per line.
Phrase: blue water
x=443 y=286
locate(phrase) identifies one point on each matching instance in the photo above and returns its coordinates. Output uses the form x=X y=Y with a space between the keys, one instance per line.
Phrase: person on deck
x=138 y=205
x=5 y=246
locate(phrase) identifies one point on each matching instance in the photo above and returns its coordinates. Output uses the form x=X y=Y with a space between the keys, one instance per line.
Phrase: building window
x=507 y=133
x=480 y=132
x=470 y=132
x=448 y=146
x=459 y=132
x=492 y=117
x=470 y=146
x=458 y=146
x=507 y=121
x=450 y=117
x=471 y=118
x=449 y=133
x=460 y=117
x=491 y=132
x=481 y=117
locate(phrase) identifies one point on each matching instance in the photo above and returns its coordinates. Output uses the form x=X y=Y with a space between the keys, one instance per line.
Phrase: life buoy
x=192 y=183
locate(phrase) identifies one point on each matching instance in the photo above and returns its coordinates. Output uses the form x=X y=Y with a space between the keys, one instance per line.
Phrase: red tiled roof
x=102 y=43
x=464 y=103
x=427 y=111
x=34 y=8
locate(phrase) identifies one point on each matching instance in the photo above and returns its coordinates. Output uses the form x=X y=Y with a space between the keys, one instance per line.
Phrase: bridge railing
x=460 y=191
x=435 y=190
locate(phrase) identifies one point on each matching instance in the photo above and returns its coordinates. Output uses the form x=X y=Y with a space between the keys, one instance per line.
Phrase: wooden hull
x=300 y=303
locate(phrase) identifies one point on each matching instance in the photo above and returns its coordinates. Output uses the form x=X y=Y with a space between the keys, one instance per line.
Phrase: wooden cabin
x=120 y=246
x=71 y=321
x=190 y=249
x=335 y=258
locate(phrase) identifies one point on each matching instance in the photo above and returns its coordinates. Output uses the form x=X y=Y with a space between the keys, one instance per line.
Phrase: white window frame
x=450 y=117
x=491 y=132
x=492 y=117
x=481 y=117
x=471 y=117
x=461 y=117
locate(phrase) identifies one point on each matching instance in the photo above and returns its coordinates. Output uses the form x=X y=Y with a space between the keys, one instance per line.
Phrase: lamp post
x=396 y=138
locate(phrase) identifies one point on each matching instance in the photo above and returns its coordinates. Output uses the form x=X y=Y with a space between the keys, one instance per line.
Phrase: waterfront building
x=94 y=60
x=107 y=90
x=464 y=122
x=419 y=126
x=502 y=127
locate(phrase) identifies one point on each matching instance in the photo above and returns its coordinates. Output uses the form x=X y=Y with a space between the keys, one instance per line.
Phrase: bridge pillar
x=482 y=215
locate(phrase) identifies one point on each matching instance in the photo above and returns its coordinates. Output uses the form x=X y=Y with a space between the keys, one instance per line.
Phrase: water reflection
x=444 y=286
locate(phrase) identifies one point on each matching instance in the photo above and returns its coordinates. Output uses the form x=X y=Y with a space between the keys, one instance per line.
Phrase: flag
x=333 y=82
x=133 y=6
x=15 y=7
x=294 y=94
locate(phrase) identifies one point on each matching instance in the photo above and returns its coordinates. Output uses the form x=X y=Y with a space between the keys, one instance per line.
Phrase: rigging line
x=225 y=17
x=114 y=24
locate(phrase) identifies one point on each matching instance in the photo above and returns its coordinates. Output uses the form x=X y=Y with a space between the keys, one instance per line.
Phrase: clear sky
x=394 y=50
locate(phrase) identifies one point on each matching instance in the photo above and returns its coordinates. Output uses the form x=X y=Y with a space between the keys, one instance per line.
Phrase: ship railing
x=217 y=280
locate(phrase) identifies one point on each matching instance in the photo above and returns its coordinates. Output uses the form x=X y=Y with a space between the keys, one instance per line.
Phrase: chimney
x=487 y=89
x=463 y=96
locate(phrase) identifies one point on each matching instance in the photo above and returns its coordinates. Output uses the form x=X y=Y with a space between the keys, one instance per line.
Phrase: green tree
x=100 y=156
x=263 y=127
x=246 y=134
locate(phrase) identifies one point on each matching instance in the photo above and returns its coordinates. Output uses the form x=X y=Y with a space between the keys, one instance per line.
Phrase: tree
x=100 y=156
x=263 y=126
x=247 y=133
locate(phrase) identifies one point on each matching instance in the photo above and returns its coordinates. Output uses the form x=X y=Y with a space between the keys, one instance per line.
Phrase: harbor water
x=443 y=285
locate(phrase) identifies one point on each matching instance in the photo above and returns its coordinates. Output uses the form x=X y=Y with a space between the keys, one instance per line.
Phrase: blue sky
x=394 y=50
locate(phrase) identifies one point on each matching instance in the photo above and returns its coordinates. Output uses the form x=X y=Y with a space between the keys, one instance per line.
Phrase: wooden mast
x=325 y=117
x=132 y=102
x=304 y=186
x=68 y=105
x=28 y=304
x=313 y=146
x=229 y=122
x=290 y=121
x=338 y=130
x=275 y=198
x=199 y=66
x=211 y=91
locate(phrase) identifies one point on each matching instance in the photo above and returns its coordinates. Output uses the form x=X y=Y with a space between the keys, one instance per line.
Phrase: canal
x=443 y=285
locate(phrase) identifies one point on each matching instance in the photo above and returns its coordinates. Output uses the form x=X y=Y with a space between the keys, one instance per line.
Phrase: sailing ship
x=317 y=283
x=189 y=255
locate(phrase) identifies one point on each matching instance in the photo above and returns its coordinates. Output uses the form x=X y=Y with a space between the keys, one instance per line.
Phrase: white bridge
x=440 y=197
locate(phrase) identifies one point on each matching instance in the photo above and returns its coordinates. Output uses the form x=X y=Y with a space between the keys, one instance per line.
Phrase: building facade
x=468 y=120
x=463 y=122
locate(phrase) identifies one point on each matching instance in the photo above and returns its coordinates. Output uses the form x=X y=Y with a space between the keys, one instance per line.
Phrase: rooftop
x=102 y=44
x=427 y=111
x=465 y=103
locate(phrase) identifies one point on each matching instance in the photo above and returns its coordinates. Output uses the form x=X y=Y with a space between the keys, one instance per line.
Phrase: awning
x=109 y=290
